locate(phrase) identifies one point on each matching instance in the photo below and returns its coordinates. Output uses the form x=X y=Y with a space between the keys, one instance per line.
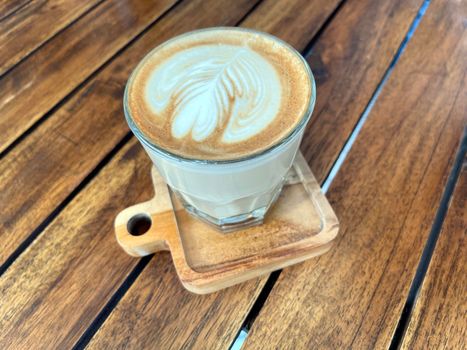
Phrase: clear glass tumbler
x=229 y=194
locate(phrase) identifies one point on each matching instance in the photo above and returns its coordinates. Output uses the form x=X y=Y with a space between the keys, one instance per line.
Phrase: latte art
x=219 y=94
x=216 y=86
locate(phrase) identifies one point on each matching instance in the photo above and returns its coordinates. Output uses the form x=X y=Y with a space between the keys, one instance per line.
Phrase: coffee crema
x=219 y=94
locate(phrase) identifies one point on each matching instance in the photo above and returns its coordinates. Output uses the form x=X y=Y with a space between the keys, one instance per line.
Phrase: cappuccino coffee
x=221 y=113
x=219 y=94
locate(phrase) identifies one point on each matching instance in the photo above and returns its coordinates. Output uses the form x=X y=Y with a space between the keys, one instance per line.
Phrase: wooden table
x=386 y=141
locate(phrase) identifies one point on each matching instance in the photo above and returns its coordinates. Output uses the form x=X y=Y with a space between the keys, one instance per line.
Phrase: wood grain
x=55 y=289
x=294 y=21
x=56 y=68
x=58 y=286
x=439 y=318
x=39 y=173
x=39 y=78
x=170 y=317
x=8 y=7
x=385 y=196
x=194 y=331
x=348 y=66
x=28 y=28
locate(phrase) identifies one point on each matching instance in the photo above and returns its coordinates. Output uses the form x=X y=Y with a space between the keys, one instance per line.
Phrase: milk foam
x=213 y=86
x=219 y=94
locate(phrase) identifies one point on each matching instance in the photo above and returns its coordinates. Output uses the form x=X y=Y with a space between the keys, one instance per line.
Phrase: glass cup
x=229 y=194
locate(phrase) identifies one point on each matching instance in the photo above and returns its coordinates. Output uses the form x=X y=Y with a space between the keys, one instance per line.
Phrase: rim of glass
x=173 y=156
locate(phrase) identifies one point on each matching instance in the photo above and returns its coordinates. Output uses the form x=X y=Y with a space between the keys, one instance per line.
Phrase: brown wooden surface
x=175 y=318
x=348 y=64
x=439 y=320
x=33 y=24
x=55 y=69
x=9 y=7
x=115 y=329
x=55 y=289
x=293 y=21
x=67 y=277
x=386 y=196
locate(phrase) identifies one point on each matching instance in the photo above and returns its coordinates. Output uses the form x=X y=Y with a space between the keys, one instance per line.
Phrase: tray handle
x=146 y=228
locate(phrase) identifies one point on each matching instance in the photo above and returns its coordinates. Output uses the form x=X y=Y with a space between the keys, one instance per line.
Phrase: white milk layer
x=229 y=189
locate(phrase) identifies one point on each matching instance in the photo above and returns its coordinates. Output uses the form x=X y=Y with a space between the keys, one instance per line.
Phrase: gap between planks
x=358 y=126
x=430 y=245
x=92 y=8
x=38 y=230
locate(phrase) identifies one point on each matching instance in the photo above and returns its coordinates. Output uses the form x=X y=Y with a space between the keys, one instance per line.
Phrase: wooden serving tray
x=300 y=225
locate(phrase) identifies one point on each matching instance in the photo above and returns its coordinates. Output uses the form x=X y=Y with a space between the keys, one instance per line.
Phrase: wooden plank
x=32 y=25
x=295 y=21
x=56 y=68
x=55 y=289
x=439 y=317
x=8 y=7
x=49 y=299
x=181 y=329
x=385 y=195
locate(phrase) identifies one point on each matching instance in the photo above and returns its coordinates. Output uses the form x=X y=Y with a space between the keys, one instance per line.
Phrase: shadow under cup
x=229 y=194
